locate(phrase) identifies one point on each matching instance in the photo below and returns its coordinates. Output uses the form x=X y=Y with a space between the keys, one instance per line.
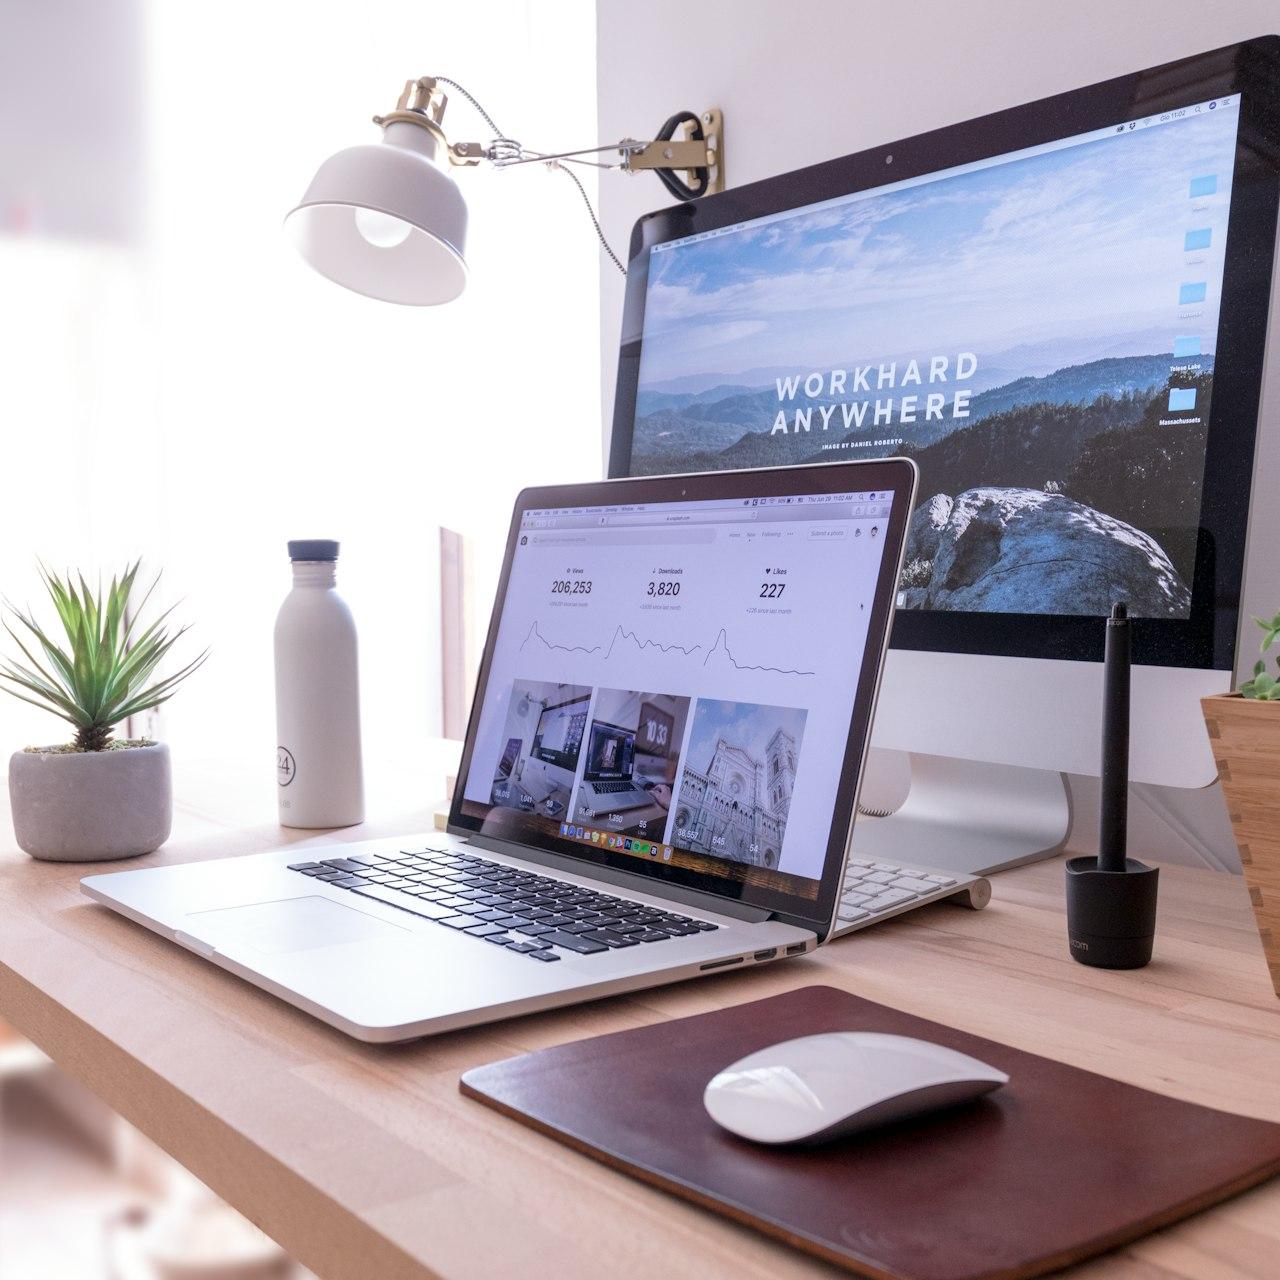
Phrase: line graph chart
x=626 y=637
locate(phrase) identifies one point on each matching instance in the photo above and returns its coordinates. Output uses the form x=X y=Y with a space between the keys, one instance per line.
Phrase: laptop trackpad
x=291 y=924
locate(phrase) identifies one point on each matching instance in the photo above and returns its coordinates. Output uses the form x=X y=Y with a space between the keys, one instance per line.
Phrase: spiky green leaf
x=102 y=670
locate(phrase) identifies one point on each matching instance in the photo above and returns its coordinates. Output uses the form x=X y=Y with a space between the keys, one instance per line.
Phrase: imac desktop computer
x=1059 y=312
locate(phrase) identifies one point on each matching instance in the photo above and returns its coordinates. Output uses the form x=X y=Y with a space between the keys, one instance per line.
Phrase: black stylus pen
x=1112 y=836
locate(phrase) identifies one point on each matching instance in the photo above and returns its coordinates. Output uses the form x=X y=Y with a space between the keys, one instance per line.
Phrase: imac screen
x=1037 y=331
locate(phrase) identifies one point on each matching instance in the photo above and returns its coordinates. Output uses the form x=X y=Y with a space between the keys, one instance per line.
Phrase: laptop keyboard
x=612 y=788
x=532 y=915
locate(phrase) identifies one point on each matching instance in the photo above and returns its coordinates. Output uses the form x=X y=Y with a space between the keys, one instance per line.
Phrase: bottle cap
x=313 y=549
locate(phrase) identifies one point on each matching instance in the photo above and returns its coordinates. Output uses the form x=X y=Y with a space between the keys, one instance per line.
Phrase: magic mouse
x=822 y=1087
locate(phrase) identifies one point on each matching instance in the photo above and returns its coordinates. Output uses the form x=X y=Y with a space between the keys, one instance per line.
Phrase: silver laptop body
x=763 y=664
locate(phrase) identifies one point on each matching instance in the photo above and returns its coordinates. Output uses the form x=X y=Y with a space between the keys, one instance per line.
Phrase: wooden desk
x=367 y=1164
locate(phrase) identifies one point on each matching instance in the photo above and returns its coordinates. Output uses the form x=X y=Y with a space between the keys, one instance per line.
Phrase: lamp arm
x=526 y=156
x=698 y=152
x=661 y=155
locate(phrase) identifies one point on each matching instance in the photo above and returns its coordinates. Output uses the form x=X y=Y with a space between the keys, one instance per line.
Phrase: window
x=201 y=395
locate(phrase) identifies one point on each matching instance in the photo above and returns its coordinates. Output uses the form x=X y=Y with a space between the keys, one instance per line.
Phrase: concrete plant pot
x=91 y=806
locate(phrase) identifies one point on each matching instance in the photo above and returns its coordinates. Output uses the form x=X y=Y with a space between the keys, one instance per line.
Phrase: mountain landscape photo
x=1082 y=464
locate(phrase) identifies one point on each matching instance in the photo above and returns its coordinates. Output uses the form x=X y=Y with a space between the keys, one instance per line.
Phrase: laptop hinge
x=623 y=879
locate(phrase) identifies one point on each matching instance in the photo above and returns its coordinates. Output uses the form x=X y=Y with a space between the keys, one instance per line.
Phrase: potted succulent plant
x=1244 y=731
x=97 y=797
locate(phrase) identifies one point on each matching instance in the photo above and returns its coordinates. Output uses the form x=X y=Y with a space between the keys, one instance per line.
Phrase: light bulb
x=382 y=229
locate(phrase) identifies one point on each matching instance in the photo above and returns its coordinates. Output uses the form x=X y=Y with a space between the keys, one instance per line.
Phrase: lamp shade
x=386 y=220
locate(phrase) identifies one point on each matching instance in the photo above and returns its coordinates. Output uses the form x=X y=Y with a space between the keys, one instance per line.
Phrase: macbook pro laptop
x=754 y=608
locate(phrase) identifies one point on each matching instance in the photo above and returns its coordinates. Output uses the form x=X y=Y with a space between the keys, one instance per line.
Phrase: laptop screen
x=680 y=677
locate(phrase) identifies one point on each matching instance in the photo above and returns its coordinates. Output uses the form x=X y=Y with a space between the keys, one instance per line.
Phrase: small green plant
x=1264 y=686
x=100 y=676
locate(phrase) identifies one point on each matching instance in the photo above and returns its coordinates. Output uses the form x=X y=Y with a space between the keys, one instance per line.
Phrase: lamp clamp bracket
x=687 y=152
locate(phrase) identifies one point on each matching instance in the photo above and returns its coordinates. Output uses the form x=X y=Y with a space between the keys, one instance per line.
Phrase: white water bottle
x=320 y=781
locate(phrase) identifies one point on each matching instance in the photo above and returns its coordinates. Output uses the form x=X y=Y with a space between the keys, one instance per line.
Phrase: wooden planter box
x=1245 y=737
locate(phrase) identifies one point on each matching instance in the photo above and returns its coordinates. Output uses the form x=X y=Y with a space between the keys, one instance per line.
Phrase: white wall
x=807 y=80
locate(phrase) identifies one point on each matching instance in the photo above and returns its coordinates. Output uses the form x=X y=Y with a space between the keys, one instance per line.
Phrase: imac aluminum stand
x=970 y=816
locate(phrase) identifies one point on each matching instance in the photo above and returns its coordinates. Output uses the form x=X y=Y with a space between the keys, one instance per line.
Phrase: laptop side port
x=766 y=955
x=797 y=949
x=722 y=964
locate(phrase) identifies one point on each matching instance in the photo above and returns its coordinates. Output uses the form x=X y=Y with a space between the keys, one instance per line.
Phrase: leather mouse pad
x=1058 y=1165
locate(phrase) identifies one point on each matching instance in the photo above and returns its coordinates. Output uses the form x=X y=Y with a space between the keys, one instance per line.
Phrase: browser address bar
x=686 y=517
x=621 y=537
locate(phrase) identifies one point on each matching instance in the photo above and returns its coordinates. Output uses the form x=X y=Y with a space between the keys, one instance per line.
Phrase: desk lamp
x=387 y=220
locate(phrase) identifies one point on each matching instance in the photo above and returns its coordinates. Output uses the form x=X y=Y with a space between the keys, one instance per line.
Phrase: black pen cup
x=1111 y=915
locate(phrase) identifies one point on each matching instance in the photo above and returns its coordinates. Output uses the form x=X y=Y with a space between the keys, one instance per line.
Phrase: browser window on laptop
x=676 y=680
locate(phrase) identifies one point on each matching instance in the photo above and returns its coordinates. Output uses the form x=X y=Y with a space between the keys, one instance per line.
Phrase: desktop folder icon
x=1191 y=293
x=1205 y=185
x=1197 y=239
x=1182 y=399
x=1183 y=347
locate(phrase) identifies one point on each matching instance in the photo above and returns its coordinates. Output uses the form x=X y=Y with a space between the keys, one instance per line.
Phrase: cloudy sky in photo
x=742 y=724
x=1082 y=246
